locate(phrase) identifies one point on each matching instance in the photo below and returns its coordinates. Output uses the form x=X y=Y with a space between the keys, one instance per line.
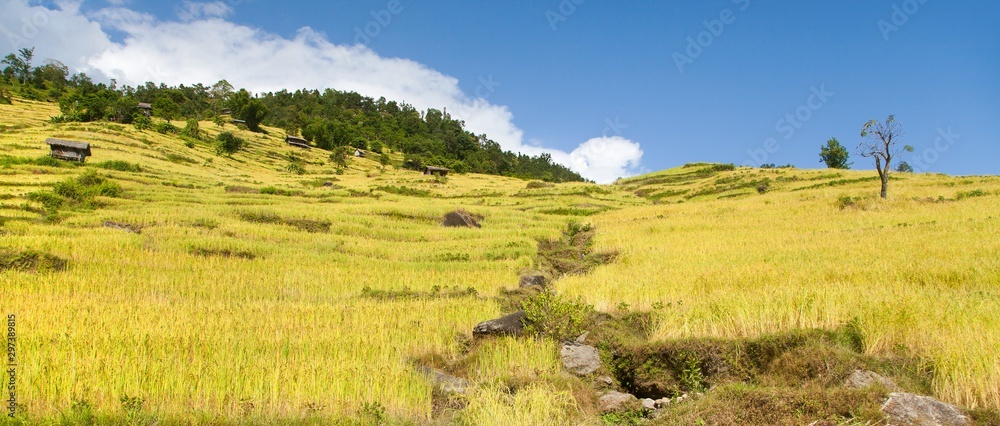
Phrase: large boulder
x=459 y=218
x=861 y=379
x=445 y=382
x=508 y=325
x=532 y=281
x=907 y=409
x=616 y=401
x=580 y=359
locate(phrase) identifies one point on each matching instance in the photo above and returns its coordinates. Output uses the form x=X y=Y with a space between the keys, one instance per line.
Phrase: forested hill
x=327 y=119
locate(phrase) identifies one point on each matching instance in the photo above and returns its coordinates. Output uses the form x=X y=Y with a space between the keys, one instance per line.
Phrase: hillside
x=172 y=284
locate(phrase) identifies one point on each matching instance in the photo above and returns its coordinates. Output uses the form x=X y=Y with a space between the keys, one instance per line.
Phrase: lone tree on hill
x=882 y=145
x=834 y=155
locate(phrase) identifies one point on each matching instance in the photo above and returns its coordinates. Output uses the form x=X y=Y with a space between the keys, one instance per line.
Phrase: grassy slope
x=291 y=334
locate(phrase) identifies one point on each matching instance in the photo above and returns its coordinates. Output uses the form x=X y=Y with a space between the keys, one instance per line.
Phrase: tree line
x=328 y=119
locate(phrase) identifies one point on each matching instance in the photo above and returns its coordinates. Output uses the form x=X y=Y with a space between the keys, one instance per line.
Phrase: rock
x=648 y=403
x=444 y=381
x=583 y=337
x=509 y=325
x=907 y=409
x=532 y=281
x=460 y=217
x=605 y=381
x=580 y=359
x=135 y=229
x=662 y=403
x=617 y=401
x=861 y=379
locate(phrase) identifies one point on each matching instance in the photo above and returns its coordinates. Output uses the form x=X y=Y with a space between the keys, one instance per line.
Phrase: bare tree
x=882 y=145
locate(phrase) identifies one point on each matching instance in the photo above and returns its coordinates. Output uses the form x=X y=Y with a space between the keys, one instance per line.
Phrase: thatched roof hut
x=146 y=108
x=68 y=150
x=297 y=142
x=438 y=171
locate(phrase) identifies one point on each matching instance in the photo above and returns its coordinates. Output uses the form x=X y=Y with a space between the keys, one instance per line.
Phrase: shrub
x=847 y=201
x=535 y=184
x=971 y=194
x=165 y=127
x=119 y=165
x=296 y=168
x=550 y=315
x=30 y=261
x=47 y=161
x=77 y=192
x=228 y=143
x=141 y=122
x=192 y=129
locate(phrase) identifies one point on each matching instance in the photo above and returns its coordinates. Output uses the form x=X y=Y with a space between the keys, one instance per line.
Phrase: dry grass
x=286 y=333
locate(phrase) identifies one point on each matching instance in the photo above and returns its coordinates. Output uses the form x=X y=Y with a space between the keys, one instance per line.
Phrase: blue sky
x=758 y=82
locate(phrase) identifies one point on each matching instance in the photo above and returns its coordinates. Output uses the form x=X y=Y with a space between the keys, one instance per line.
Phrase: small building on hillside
x=297 y=142
x=437 y=171
x=238 y=121
x=68 y=150
x=146 y=108
x=359 y=153
x=226 y=111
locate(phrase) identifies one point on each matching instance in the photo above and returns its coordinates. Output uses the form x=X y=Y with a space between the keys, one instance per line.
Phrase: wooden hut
x=297 y=141
x=437 y=171
x=68 y=150
x=146 y=108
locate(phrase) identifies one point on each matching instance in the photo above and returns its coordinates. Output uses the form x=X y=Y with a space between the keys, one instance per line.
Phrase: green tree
x=20 y=64
x=191 y=129
x=883 y=146
x=228 y=143
x=834 y=155
x=904 y=167
x=254 y=113
x=339 y=156
x=141 y=122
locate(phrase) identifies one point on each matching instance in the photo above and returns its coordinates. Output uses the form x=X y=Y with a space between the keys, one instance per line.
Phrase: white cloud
x=204 y=49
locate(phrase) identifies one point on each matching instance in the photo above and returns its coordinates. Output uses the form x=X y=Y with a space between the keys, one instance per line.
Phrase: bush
x=192 y=129
x=141 y=122
x=971 y=194
x=296 y=168
x=165 y=127
x=119 y=165
x=77 y=192
x=847 y=201
x=550 y=315
x=228 y=143
x=47 y=161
